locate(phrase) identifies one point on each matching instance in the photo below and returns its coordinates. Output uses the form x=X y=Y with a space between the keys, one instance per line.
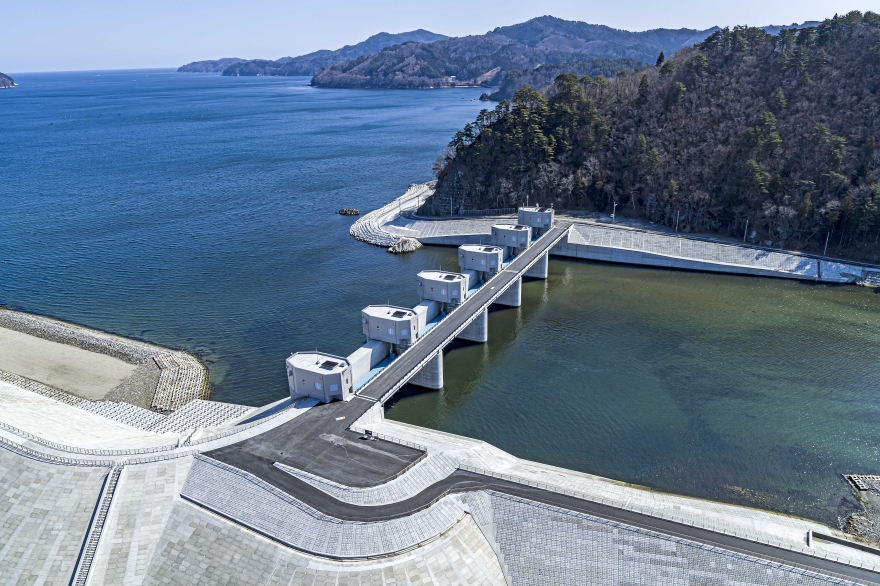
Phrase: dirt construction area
x=79 y=372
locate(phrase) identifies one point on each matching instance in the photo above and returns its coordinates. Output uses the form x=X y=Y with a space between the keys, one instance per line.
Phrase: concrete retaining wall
x=601 y=253
x=676 y=252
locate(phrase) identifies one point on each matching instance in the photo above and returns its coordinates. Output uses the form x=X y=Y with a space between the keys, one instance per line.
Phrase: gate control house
x=540 y=219
x=322 y=376
x=448 y=288
x=389 y=323
x=514 y=239
x=484 y=260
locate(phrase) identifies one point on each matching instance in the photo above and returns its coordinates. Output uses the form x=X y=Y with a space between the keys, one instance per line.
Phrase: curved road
x=319 y=442
x=464 y=481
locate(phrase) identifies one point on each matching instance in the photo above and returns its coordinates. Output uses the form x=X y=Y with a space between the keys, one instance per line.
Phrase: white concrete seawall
x=592 y=240
x=368 y=228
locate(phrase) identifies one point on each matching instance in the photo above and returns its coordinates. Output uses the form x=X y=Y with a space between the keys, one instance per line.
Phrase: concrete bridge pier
x=512 y=297
x=539 y=269
x=431 y=374
x=477 y=330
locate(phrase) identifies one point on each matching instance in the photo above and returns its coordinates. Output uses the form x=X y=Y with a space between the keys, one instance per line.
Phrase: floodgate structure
x=145 y=482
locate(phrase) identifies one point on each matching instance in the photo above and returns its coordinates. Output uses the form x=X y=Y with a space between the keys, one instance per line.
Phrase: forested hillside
x=484 y=59
x=541 y=77
x=780 y=131
x=312 y=62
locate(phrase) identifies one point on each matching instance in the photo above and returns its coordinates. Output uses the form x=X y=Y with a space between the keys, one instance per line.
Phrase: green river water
x=748 y=390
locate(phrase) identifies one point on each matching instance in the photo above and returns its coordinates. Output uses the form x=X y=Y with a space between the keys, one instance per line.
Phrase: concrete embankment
x=628 y=246
x=60 y=358
x=368 y=228
x=593 y=240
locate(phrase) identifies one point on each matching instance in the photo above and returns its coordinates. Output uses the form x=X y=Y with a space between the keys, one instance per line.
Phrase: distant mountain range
x=484 y=60
x=313 y=62
x=487 y=60
x=6 y=81
x=530 y=53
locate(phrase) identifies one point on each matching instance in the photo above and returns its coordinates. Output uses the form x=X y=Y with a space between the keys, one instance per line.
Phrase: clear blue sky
x=55 y=35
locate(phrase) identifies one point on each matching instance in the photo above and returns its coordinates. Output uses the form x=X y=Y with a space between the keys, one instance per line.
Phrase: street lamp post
x=613 y=212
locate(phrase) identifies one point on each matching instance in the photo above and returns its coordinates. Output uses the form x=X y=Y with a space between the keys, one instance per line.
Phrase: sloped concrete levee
x=199 y=547
x=591 y=240
x=260 y=506
x=45 y=511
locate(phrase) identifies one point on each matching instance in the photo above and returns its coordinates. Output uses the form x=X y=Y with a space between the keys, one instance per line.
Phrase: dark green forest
x=777 y=130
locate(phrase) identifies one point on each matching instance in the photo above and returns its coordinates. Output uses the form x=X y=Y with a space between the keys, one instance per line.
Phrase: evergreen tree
x=643 y=89
x=660 y=59
x=778 y=100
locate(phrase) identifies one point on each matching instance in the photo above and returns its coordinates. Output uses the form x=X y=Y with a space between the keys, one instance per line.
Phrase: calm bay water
x=747 y=390
x=196 y=212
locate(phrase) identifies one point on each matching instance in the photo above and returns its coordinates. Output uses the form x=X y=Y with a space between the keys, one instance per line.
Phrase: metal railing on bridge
x=492 y=212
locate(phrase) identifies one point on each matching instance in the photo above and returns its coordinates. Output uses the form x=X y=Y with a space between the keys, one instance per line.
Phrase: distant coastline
x=6 y=81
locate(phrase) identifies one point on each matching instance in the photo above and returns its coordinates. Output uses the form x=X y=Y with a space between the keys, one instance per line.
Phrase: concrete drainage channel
x=96 y=528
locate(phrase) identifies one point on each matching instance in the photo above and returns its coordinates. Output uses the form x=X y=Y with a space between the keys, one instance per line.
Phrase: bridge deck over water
x=311 y=442
x=321 y=443
x=383 y=386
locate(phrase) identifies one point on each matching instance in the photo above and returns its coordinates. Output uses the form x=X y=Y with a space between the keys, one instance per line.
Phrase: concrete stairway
x=94 y=534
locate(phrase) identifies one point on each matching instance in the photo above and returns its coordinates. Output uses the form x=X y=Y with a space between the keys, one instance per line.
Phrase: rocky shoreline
x=6 y=81
x=865 y=525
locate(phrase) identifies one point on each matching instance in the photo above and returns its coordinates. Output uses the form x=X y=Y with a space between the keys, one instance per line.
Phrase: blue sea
x=198 y=212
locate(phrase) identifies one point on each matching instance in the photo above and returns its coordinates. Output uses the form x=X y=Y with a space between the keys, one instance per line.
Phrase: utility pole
x=677 y=217
x=747 y=231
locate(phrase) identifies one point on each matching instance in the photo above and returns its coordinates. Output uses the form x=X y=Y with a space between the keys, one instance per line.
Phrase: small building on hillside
x=322 y=376
x=540 y=219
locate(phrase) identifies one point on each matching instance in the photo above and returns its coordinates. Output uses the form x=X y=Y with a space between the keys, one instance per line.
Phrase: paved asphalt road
x=464 y=481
